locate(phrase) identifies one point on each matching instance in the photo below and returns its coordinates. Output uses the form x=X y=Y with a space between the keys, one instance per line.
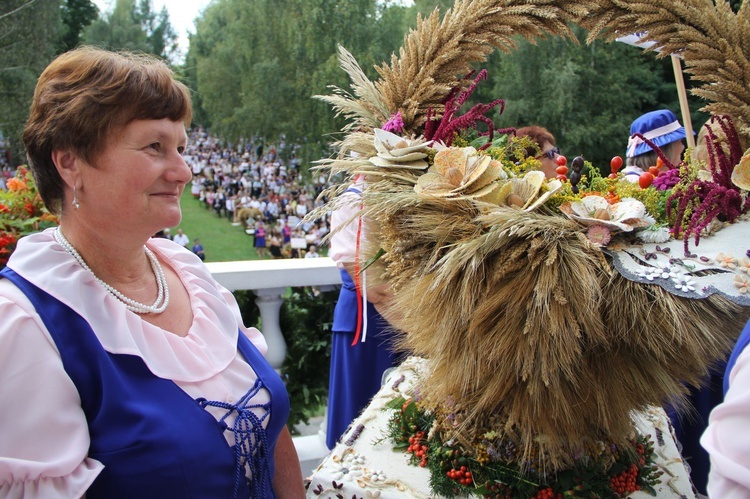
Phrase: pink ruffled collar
x=211 y=342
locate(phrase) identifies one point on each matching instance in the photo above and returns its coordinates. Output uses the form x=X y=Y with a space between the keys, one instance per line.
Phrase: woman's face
x=136 y=182
x=677 y=151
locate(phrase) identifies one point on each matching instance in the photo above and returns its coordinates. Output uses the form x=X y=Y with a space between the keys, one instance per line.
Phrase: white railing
x=268 y=280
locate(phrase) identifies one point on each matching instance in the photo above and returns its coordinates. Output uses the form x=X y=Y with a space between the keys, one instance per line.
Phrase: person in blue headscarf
x=662 y=128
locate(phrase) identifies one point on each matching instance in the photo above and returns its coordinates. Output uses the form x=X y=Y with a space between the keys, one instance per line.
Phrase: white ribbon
x=633 y=141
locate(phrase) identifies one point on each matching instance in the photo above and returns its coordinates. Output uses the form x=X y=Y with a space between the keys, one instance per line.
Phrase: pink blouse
x=727 y=439
x=44 y=435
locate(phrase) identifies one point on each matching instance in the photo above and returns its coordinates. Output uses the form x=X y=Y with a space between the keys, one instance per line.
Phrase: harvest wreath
x=549 y=311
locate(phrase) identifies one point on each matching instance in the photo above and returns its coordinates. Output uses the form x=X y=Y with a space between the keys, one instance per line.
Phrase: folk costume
x=140 y=412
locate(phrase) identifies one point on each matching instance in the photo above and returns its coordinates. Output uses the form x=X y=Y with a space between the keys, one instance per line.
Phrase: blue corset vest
x=154 y=440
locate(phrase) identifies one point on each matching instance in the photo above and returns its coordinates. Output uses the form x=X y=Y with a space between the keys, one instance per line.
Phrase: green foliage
x=257 y=78
x=29 y=35
x=76 y=15
x=306 y=319
x=586 y=95
x=135 y=27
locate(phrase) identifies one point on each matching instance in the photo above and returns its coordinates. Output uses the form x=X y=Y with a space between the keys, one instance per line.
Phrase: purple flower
x=667 y=180
x=395 y=124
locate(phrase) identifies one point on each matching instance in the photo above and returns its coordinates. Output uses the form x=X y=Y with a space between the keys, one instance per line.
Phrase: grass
x=222 y=241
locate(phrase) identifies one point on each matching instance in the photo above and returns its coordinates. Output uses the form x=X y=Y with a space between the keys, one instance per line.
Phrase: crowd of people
x=260 y=188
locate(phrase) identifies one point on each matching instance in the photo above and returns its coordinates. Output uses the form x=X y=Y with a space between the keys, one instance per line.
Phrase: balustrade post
x=269 y=302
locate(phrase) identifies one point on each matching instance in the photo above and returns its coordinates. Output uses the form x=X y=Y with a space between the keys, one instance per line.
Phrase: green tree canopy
x=29 y=35
x=76 y=15
x=256 y=65
x=133 y=25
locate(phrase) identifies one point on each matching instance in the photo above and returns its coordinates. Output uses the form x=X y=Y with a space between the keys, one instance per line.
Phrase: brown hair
x=538 y=134
x=648 y=159
x=87 y=94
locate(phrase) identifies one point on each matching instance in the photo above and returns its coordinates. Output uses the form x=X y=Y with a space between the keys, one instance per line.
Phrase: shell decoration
x=625 y=216
x=394 y=151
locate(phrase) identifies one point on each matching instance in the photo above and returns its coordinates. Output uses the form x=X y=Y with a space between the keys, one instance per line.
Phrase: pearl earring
x=75 y=203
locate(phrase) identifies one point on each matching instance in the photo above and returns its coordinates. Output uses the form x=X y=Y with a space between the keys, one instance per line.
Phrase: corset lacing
x=250 y=441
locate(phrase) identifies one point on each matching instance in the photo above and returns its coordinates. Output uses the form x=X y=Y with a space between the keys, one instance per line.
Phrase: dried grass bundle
x=527 y=324
x=528 y=327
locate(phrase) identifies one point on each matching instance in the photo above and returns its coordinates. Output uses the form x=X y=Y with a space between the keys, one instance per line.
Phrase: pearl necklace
x=162 y=299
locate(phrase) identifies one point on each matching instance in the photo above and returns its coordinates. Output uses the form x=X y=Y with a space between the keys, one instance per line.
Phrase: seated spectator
x=198 y=249
x=312 y=252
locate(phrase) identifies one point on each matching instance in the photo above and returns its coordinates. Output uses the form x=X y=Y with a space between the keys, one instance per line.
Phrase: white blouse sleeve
x=44 y=438
x=344 y=228
x=727 y=439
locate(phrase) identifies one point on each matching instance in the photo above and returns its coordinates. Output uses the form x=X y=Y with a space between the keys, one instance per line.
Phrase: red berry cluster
x=418 y=447
x=625 y=484
x=461 y=475
x=547 y=493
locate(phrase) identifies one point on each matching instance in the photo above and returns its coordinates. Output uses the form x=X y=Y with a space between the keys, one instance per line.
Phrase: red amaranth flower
x=711 y=199
x=667 y=180
x=444 y=129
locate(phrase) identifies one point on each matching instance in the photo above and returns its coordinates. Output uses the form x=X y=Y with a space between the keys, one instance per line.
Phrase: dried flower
x=460 y=172
x=599 y=235
x=654 y=234
x=625 y=216
x=741 y=173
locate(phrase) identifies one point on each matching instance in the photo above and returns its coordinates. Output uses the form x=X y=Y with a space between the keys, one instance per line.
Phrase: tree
x=24 y=53
x=135 y=27
x=257 y=78
x=76 y=15
x=586 y=95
